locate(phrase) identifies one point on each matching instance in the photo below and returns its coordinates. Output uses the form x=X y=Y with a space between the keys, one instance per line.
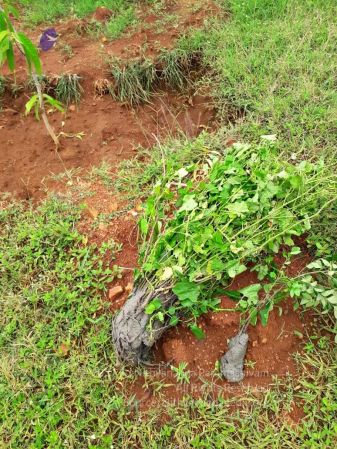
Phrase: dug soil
x=99 y=129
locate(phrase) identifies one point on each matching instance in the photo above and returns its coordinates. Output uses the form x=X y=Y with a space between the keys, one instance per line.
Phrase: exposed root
x=132 y=332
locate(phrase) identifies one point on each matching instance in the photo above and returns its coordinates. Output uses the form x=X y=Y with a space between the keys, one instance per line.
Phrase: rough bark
x=132 y=334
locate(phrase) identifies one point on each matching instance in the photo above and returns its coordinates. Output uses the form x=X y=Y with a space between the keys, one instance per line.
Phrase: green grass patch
x=37 y=11
x=276 y=62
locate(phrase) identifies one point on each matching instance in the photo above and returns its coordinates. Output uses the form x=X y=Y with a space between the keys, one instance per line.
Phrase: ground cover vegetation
x=272 y=64
x=206 y=223
x=123 y=14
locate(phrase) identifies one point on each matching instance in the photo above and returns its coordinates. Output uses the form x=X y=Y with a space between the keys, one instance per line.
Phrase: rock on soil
x=102 y=14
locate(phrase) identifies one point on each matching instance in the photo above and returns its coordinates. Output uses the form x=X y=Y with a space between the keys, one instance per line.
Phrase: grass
x=3 y=84
x=133 y=82
x=36 y=11
x=276 y=62
x=60 y=384
x=68 y=89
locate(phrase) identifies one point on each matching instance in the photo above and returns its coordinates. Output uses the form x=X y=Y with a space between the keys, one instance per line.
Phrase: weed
x=136 y=177
x=115 y=26
x=176 y=66
x=67 y=51
x=3 y=84
x=133 y=82
x=54 y=340
x=102 y=173
x=68 y=89
x=182 y=376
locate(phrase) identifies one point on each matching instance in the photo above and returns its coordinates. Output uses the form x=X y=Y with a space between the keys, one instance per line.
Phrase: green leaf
x=251 y=293
x=237 y=209
x=174 y=320
x=11 y=10
x=197 y=332
x=54 y=103
x=264 y=315
x=233 y=294
x=187 y=291
x=144 y=226
x=3 y=35
x=31 y=103
x=154 y=305
x=235 y=267
x=189 y=204
x=31 y=53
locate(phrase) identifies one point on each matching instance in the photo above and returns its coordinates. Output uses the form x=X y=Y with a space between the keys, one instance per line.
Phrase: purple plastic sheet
x=48 y=39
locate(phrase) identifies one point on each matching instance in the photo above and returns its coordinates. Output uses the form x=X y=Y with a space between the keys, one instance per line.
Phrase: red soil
x=111 y=130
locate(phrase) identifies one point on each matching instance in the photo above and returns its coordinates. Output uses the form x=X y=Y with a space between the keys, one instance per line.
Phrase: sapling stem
x=43 y=112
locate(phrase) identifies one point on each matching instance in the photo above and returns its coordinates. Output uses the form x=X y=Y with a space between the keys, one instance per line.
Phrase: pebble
x=115 y=291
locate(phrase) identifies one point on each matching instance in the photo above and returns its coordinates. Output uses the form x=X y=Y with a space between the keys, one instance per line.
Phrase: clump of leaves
x=133 y=82
x=204 y=223
x=68 y=89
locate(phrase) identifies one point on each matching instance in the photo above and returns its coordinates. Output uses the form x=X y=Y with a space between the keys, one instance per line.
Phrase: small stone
x=264 y=340
x=129 y=287
x=72 y=108
x=115 y=291
x=255 y=343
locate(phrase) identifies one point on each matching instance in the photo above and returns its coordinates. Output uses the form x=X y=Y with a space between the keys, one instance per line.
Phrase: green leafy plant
x=206 y=222
x=182 y=375
x=34 y=103
x=10 y=38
